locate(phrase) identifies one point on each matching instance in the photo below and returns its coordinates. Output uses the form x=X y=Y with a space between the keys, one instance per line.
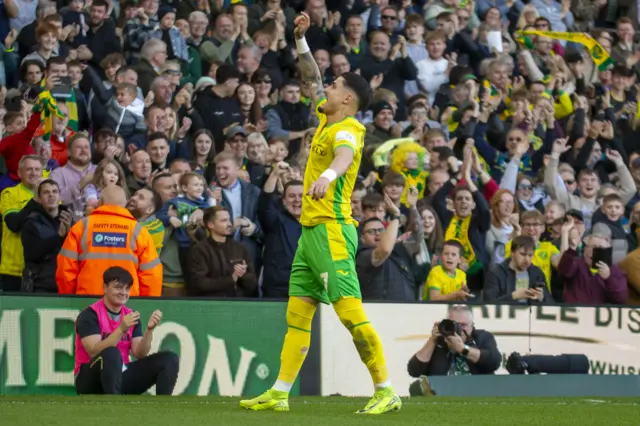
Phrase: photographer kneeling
x=456 y=348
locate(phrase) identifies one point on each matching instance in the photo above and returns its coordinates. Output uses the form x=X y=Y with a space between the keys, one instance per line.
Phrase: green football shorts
x=324 y=267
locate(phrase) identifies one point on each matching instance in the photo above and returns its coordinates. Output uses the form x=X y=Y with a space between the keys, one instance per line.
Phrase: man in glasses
x=384 y=263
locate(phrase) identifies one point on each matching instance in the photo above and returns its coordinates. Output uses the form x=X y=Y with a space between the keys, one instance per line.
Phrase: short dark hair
x=360 y=87
x=117 y=274
x=291 y=183
x=454 y=243
x=156 y=136
x=99 y=3
x=209 y=214
x=56 y=60
x=523 y=241
x=226 y=72
x=372 y=201
x=371 y=219
x=47 y=182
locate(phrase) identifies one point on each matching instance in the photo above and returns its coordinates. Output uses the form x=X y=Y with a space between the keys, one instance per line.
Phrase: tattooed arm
x=309 y=71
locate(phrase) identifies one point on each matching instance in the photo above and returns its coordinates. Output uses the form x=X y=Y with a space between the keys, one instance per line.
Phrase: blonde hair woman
x=528 y=17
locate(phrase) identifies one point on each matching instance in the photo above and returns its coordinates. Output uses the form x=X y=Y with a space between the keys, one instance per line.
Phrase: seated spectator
x=546 y=254
x=473 y=352
x=42 y=236
x=517 y=278
x=384 y=264
x=446 y=281
x=240 y=198
x=587 y=283
x=219 y=266
x=280 y=220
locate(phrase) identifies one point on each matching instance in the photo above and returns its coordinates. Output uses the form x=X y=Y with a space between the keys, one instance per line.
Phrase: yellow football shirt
x=336 y=204
x=439 y=279
x=541 y=258
x=12 y=200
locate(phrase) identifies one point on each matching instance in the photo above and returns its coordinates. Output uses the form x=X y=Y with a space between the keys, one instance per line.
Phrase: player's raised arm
x=309 y=71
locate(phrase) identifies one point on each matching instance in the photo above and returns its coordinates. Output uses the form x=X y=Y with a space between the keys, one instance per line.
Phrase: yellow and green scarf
x=50 y=107
x=458 y=230
x=599 y=56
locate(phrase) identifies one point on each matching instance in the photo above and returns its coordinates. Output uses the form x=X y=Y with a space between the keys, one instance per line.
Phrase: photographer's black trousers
x=104 y=375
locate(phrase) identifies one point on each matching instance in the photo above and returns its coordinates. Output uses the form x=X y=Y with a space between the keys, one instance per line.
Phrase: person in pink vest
x=107 y=333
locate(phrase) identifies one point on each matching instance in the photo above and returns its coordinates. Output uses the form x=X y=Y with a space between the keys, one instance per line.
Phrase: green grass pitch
x=314 y=411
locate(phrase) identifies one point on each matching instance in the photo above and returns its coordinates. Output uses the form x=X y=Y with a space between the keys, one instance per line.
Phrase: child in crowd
x=178 y=211
x=108 y=172
x=279 y=150
x=445 y=281
x=125 y=112
x=608 y=220
x=373 y=206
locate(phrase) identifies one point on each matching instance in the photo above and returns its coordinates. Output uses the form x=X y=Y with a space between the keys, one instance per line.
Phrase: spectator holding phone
x=220 y=266
x=42 y=236
x=517 y=278
x=591 y=278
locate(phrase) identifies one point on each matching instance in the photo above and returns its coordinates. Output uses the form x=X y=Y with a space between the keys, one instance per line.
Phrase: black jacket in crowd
x=501 y=282
x=281 y=234
x=217 y=113
x=442 y=358
x=210 y=270
x=42 y=243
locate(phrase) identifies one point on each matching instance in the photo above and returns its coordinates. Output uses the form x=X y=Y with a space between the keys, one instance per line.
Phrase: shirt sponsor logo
x=109 y=239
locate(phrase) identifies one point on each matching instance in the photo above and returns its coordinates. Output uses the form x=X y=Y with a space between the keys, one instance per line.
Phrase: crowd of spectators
x=510 y=153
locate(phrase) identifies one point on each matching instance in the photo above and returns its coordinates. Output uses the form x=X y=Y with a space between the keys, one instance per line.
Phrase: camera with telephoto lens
x=449 y=327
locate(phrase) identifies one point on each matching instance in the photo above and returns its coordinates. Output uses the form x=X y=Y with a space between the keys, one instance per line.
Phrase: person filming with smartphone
x=517 y=279
x=220 y=266
x=455 y=348
x=592 y=278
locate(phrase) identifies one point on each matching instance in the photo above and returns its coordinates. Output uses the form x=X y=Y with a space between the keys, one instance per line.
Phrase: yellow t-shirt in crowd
x=336 y=204
x=541 y=258
x=12 y=200
x=439 y=279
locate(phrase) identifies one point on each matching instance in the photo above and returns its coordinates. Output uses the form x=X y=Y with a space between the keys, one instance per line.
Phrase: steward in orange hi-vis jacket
x=108 y=237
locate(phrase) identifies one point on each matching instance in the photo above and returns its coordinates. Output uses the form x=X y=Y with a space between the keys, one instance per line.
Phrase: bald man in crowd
x=110 y=236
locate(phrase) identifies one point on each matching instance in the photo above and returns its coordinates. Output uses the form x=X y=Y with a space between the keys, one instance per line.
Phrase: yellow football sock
x=296 y=342
x=365 y=337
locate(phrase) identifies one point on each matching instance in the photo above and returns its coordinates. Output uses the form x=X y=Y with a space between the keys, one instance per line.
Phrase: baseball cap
x=235 y=130
x=576 y=214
